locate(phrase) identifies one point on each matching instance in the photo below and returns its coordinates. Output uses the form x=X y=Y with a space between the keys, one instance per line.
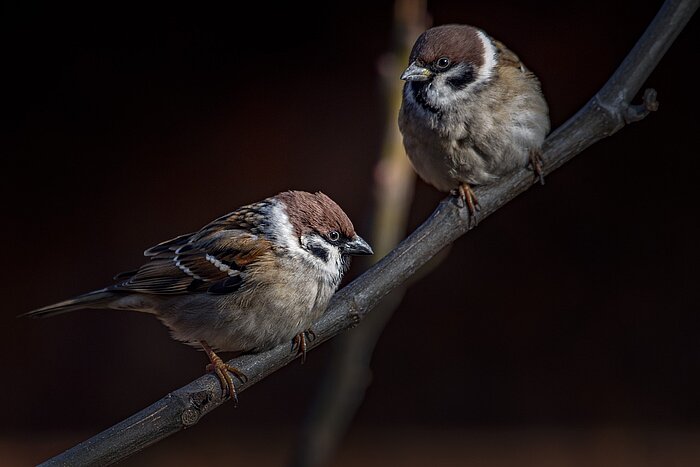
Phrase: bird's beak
x=357 y=246
x=416 y=73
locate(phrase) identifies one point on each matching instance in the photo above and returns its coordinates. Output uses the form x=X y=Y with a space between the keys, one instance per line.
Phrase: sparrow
x=471 y=112
x=246 y=282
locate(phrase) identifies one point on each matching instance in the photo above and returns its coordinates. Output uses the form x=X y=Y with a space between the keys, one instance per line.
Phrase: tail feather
x=96 y=299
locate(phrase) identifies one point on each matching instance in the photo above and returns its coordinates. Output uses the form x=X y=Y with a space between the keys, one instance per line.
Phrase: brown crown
x=460 y=43
x=315 y=211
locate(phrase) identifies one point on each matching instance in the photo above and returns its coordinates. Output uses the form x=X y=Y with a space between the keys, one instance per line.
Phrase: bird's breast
x=275 y=305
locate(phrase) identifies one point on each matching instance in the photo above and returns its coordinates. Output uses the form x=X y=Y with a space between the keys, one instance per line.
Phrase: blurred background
x=562 y=331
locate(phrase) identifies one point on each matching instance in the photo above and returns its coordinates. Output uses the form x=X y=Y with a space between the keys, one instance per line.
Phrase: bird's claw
x=299 y=343
x=537 y=165
x=224 y=371
x=471 y=203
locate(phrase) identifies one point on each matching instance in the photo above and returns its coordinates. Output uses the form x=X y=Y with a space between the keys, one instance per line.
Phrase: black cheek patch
x=461 y=80
x=319 y=252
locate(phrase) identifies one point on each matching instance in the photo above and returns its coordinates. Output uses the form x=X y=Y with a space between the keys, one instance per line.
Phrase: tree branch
x=348 y=374
x=607 y=112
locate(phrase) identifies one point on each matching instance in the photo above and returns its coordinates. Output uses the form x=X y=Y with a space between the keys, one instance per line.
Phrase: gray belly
x=445 y=162
x=253 y=322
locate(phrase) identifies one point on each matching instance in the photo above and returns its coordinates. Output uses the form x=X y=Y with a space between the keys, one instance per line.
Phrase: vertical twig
x=599 y=118
x=348 y=373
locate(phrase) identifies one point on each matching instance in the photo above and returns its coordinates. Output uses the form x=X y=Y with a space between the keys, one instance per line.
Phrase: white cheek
x=333 y=266
x=299 y=247
x=441 y=94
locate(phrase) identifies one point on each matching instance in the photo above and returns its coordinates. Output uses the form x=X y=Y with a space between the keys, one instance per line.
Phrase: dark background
x=573 y=308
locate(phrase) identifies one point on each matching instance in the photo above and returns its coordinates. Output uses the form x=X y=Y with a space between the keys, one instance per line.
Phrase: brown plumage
x=247 y=281
x=439 y=42
x=317 y=211
x=471 y=111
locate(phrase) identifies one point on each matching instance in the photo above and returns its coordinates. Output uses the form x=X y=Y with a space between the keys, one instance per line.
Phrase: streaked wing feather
x=168 y=245
x=159 y=276
x=209 y=260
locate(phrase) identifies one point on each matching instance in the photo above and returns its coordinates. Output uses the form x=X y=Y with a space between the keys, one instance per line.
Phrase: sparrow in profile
x=246 y=282
x=471 y=111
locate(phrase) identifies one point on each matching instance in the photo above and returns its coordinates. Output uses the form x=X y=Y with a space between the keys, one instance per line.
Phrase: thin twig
x=603 y=115
x=348 y=373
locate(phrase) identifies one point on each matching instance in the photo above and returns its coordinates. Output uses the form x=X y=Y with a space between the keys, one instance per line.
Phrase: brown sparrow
x=248 y=281
x=471 y=112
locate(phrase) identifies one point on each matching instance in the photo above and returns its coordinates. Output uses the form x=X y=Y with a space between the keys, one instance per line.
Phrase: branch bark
x=607 y=112
x=348 y=374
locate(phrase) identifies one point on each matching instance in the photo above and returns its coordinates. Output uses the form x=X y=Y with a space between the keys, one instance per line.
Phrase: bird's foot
x=223 y=371
x=300 y=341
x=536 y=162
x=471 y=202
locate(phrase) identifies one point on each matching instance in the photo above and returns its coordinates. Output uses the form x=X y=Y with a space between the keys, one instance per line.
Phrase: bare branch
x=607 y=112
x=348 y=374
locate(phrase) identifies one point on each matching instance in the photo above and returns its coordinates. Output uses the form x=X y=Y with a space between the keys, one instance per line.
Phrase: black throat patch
x=419 y=90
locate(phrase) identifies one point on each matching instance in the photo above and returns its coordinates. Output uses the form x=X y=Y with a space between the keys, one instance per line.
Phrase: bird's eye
x=442 y=63
x=334 y=236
